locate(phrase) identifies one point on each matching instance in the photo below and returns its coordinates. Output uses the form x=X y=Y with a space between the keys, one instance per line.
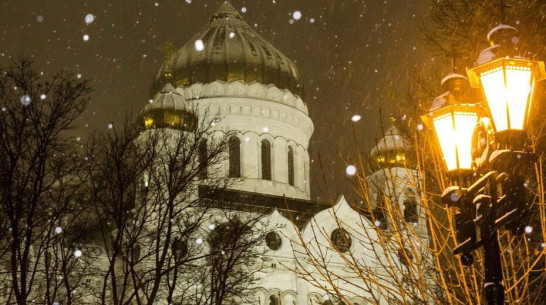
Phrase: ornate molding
x=239 y=89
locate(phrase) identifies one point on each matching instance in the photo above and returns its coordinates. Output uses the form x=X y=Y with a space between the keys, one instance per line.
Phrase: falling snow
x=199 y=46
x=89 y=18
x=25 y=100
x=94 y=42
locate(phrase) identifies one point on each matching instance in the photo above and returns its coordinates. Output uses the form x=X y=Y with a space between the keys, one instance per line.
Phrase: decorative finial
x=226 y=11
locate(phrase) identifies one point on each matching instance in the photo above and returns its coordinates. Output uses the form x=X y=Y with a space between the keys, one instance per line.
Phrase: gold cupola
x=393 y=150
x=228 y=49
x=169 y=109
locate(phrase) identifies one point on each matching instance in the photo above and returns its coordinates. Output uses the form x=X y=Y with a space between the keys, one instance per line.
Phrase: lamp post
x=497 y=198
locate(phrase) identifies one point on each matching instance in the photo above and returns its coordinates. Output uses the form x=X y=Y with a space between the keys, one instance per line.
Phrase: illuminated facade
x=228 y=71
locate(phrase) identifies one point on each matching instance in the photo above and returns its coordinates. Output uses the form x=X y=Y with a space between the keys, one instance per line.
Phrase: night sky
x=353 y=56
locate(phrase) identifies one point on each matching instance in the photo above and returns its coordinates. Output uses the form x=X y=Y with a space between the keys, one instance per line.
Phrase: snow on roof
x=391 y=141
x=450 y=76
x=487 y=55
x=439 y=101
x=500 y=27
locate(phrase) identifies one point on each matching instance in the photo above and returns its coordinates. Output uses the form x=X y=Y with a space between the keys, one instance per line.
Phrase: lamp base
x=515 y=163
x=461 y=177
x=511 y=139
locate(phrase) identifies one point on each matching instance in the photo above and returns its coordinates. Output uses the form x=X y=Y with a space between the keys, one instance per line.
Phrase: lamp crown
x=503 y=35
x=454 y=83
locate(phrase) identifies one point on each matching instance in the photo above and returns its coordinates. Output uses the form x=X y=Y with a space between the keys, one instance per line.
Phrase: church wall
x=256 y=112
x=398 y=184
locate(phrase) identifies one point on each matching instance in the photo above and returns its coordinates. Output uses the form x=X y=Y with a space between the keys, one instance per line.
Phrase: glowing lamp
x=453 y=126
x=508 y=85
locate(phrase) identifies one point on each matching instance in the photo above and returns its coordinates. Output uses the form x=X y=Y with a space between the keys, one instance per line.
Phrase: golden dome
x=393 y=150
x=168 y=109
x=228 y=49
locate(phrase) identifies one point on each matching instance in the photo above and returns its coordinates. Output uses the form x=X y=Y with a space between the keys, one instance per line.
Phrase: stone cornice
x=245 y=90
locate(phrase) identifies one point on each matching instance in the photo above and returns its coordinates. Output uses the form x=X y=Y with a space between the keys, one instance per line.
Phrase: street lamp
x=453 y=123
x=507 y=84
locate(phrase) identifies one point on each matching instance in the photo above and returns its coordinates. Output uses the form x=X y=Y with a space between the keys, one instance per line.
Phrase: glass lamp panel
x=465 y=123
x=443 y=125
x=518 y=89
x=495 y=93
x=454 y=132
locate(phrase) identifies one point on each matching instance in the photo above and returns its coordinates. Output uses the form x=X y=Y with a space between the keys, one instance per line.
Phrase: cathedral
x=228 y=70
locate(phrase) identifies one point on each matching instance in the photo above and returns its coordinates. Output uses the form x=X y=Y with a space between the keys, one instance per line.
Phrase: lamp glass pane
x=495 y=93
x=518 y=88
x=465 y=123
x=443 y=125
x=454 y=132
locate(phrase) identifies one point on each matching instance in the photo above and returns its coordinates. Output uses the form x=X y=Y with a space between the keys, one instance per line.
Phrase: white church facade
x=229 y=71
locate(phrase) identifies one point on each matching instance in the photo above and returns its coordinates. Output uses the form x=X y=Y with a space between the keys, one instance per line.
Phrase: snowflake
x=25 y=100
x=89 y=18
x=199 y=46
x=350 y=170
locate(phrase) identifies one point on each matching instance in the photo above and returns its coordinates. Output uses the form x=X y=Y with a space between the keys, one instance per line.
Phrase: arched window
x=203 y=159
x=290 y=166
x=234 y=157
x=266 y=160
x=410 y=207
x=273 y=300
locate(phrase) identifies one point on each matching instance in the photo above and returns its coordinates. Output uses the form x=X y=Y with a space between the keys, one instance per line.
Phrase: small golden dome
x=169 y=109
x=393 y=150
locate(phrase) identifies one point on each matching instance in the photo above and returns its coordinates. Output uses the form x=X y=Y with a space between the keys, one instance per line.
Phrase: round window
x=341 y=240
x=273 y=240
